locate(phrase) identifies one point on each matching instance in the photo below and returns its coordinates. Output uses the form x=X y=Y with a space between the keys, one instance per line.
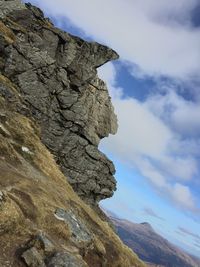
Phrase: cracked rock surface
x=42 y=253
x=54 y=110
x=79 y=231
x=56 y=77
x=66 y=260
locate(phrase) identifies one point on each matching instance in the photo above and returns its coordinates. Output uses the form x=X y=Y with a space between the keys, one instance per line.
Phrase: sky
x=155 y=90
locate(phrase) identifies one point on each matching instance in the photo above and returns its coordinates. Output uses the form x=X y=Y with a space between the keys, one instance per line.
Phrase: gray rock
x=7 y=6
x=66 y=260
x=56 y=75
x=42 y=252
x=3 y=118
x=45 y=243
x=79 y=231
x=33 y=258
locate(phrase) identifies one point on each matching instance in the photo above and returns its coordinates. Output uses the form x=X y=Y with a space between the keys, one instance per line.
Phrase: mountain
x=54 y=110
x=150 y=246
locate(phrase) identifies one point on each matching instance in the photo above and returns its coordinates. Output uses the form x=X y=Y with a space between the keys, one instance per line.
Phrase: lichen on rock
x=54 y=110
x=7 y=6
x=56 y=74
x=79 y=231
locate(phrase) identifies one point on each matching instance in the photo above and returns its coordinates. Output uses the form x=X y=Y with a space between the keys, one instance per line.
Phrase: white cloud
x=158 y=136
x=155 y=35
x=145 y=133
x=183 y=195
x=183 y=115
x=166 y=11
x=178 y=192
x=149 y=144
x=182 y=168
x=151 y=173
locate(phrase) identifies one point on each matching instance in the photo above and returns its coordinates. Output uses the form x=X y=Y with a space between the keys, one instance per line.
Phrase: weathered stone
x=33 y=258
x=8 y=6
x=45 y=243
x=66 y=260
x=56 y=75
x=79 y=231
x=3 y=118
x=42 y=252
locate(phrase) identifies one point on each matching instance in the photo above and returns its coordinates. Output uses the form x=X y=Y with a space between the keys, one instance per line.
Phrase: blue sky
x=155 y=89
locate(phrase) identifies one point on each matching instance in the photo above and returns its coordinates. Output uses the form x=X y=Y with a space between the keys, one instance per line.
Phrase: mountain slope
x=150 y=246
x=48 y=132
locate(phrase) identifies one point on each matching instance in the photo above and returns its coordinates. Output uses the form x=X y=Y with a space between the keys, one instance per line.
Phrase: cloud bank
x=147 y=140
x=159 y=136
x=157 y=36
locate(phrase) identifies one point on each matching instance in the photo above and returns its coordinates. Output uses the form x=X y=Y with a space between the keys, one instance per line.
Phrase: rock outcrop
x=56 y=75
x=53 y=110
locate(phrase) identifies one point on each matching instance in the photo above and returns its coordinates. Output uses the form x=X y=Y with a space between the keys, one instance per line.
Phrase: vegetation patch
x=7 y=33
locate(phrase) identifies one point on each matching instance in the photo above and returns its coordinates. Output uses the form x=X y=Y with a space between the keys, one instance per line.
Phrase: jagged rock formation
x=57 y=78
x=50 y=94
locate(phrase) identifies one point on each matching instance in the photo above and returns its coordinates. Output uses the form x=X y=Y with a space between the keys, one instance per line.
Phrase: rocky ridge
x=53 y=110
x=56 y=75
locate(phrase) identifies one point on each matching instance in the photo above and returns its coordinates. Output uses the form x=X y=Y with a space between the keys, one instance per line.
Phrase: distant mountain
x=151 y=247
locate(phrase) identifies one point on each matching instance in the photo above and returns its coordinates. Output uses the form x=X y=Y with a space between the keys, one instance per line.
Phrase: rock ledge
x=56 y=76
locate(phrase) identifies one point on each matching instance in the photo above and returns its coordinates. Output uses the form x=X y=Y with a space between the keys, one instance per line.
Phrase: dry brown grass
x=7 y=33
x=8 y=83
x=34 y=187
x=13 y=25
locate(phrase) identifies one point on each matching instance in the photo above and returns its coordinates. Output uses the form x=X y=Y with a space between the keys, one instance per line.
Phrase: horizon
x=154 y=89
x=114 y=216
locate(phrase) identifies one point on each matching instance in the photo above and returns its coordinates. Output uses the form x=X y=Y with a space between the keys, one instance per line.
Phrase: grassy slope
x=33 y=188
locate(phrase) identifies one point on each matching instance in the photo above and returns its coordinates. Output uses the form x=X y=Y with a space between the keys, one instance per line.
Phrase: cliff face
x=53 y=111
x=57 y=79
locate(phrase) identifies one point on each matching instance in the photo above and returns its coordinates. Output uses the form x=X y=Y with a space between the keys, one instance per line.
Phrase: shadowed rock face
x=56 y=74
